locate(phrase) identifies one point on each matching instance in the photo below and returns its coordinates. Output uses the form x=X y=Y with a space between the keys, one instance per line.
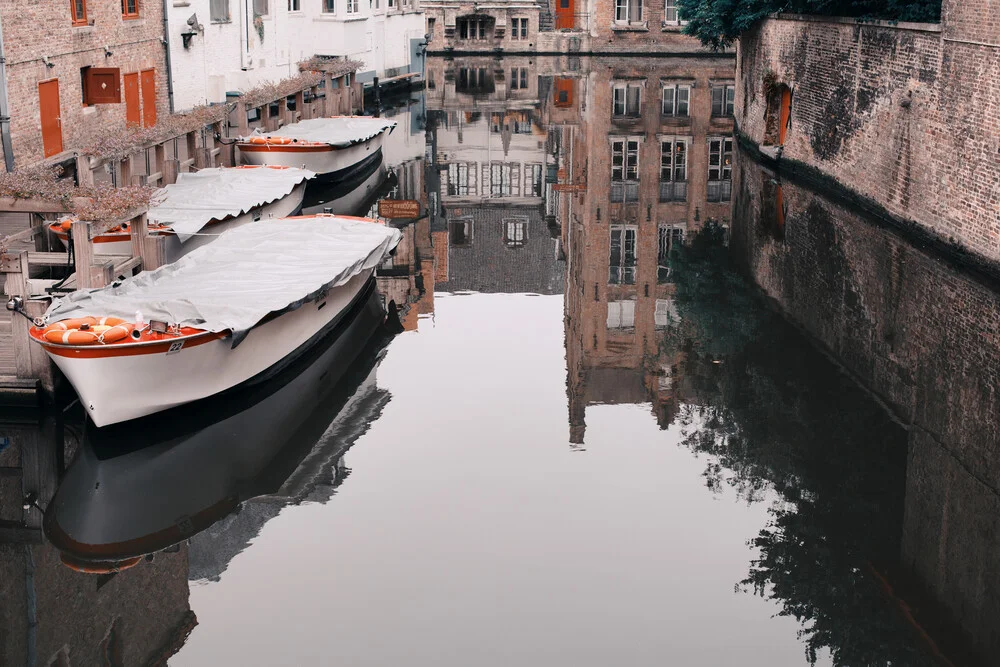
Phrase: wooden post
x=102 y=273
x=170 y=169
x=17 y=285
x=41 y=365
x=126 y=171
x=39 y=472
x=83 y=252
x=228 y=153
x=283 y=111
x=299 y=106
x=327 y=94
x=191 y=140
x=84 y=174
x=242 y=124
x=159 y=157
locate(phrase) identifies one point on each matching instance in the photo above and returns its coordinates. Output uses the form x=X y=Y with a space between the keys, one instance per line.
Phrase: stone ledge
x=847 y=20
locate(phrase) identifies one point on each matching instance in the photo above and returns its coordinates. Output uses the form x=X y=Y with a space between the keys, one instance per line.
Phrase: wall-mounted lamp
x=48 y=63
x=193 y=28
x=107 y=52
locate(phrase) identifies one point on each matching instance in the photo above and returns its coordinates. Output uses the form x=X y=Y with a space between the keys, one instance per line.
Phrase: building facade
x=78 y=71
x=228 y=45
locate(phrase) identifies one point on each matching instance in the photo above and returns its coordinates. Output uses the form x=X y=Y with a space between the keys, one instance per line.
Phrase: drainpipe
x=166 y=44
x=8 y=151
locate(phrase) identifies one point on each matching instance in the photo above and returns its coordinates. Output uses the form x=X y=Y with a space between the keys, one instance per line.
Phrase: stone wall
x=906 y=116
x=44 y=29
x=922 y=336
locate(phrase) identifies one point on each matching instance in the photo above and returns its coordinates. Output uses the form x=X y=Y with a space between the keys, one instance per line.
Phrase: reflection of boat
x=140 y=487
x=215 y=200
x=331 y=147
x=230 y=312
x=352 y=196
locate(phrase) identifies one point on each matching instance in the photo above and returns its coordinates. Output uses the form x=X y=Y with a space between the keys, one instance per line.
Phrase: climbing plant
x=718 y=23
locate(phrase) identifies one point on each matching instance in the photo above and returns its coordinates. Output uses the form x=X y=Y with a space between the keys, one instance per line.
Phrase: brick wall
x=905 y=116
x=649 y=35
x=32 y=30
x=922 y=336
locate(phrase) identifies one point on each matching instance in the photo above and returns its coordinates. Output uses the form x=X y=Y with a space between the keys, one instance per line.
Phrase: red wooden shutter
x=102 y=85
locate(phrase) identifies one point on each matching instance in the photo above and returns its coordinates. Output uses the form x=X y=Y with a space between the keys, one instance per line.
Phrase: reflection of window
x=667 y=238
x=462 y=179
x=520 y=29
x=676 y=99
x=474 y=27
x=665 y=314
x=502 y=178
x=459 y=233
x=474 y=80
x=626 y=100
x=564 y=92
x=625 y=170
x=622 y=259
x=720 y=169
x=628 y=11
x=533 y=179
x=723 y=96
x=515 y=232
x=673 y=169
x=518 y=78
x=621 y=314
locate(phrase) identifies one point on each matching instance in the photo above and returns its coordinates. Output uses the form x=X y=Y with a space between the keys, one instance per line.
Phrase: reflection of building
x=53 y=615
x=490 y=163
x=647 y=164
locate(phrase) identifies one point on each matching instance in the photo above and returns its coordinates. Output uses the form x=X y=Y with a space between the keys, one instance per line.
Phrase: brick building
x=904 y=117
x=644 y=160
x=78 y=70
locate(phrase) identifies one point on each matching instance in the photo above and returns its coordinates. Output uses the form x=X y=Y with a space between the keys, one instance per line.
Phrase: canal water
x=639 y=401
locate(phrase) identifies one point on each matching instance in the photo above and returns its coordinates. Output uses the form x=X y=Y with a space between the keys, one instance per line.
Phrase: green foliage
x=718 y=23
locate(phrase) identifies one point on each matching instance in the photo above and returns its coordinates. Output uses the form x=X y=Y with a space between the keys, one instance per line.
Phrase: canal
x=639 y=400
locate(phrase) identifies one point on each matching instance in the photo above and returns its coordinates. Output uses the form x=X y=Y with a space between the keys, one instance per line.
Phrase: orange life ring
x=88 y=331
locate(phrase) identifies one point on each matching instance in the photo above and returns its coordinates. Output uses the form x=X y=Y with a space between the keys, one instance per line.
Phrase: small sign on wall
x=399 y=208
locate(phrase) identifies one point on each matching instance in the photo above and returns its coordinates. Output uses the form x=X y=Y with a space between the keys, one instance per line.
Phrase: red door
x=48 y=105
x=132 y=115
x=564 y=92
x=148 y=81
x=564 y=14
x=786 y=110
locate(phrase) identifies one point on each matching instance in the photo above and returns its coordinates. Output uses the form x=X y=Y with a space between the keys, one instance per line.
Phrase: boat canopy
x=339 y=132
x=199 y=197
x=247 y=273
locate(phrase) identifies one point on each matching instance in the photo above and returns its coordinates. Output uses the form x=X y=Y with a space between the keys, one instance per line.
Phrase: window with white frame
x=462 y=179
x=533 y=182
x=329 y=6
x=625 y=159
x=502 y=179
x=628 y=11
x=295 y=5
x=218 y=11
x=673 y=168
x=671 y=15
x=519 y=28
x=720 y=168
x=665 y=314
x=622 y=257
x=621 y=314
x=723 y=98
x=515 y=232
x=626 y=100
x=676 y=99
x=391 y=4
x=668 y=238
x=352 y=7
x=260 y=7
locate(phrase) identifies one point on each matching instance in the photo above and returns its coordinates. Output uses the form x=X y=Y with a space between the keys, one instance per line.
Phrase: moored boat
x=332 y=147
x=203 y=204
x=230 y=312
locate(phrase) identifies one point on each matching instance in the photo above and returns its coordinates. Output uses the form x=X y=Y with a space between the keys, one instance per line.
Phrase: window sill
x=340 y=19
x=219 y=21
x=133 y=21
x=80 y=30
x=296 y=14
x=630 y=27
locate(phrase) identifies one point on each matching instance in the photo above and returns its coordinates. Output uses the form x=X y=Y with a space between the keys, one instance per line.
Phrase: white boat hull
x=120 y=243
x=115 y=387
x=326 y=161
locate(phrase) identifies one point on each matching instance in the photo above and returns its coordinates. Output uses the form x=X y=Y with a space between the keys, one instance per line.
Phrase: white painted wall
x=220 y=58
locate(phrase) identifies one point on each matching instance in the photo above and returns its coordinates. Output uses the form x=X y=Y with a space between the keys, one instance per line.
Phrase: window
x=460 y=233
x=390 y=4
x=78 y=12
x=101 y=85
x=474 y=27
x=723 y=96
x=260 y=7
x=352 y=7
x=720 y=168
x=520 y=29
x=621 y=314
x=622 y=260
x=218 y=11
x=515 y=232
x=462 y=179
x=673 y=169
x=628 y=11
x=130 y=9
x=626 y=100
x=295 y=5
x=474 y=80
x=670 y=13
x=676 y=99
x=533 y=180
x=430 y=25
x=668 y=239
x=625 y=170
x=329 y=6
x=665 y=313
x=518 y=78
x=502 y=178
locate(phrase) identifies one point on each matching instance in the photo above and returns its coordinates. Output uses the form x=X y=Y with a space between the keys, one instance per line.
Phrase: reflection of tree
x=767 y=410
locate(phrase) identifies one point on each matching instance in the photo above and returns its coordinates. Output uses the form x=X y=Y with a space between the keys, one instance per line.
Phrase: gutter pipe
x=170 y=72
x=8 y=151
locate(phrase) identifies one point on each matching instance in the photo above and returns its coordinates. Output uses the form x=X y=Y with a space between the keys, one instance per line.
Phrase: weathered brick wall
x=903 y=115
x=32 y=30
x=651 y=35
x=917 y=332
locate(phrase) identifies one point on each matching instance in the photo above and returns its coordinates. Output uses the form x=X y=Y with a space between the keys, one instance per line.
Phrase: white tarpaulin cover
x=213 y=194
x=248 y=272
x=340 y=132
